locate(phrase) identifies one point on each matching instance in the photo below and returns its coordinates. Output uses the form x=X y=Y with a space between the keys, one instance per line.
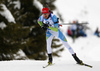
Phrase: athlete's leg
x=65 y=43
x=49 y=38
x=49 y=41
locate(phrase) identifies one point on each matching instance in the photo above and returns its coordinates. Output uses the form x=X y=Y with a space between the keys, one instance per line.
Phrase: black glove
x=45 y=26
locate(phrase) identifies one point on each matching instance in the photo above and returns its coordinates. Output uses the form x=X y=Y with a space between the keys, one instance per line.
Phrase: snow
x=20 y=54
x=2 y=25
x=7 y=14
x=17 y=4
x=87 y=49
x=31 y=65
x=38 y=5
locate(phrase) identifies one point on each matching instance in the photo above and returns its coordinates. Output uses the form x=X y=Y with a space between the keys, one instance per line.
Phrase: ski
x=86 y=65
x=48 y=65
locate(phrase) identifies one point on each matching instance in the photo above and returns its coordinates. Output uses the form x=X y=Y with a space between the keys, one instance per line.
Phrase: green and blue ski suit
x=53 y=30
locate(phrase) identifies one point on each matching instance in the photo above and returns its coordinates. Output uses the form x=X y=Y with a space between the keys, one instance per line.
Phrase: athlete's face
x=46 y=15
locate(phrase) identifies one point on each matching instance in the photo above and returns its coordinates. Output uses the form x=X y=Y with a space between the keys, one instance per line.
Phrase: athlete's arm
x=40 y=21
x=56 y=25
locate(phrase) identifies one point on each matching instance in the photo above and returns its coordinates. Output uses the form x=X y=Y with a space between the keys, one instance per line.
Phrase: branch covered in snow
x=38 y=4
x=7 y=14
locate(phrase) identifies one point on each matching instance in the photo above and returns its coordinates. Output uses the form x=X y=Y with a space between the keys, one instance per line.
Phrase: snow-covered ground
x=29 y=65
x=87 y=49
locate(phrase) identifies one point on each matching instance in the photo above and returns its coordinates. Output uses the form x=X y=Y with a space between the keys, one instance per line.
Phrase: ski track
x=31 y=65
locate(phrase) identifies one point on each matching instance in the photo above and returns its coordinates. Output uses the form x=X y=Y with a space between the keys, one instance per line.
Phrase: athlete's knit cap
x=45 y=10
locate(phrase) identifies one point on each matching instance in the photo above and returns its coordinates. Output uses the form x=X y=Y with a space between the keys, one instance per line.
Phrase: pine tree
x=25 y=34
x=35 y=48
x=12 y=40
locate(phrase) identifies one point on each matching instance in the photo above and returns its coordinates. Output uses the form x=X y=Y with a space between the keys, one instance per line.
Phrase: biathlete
x=49 y=22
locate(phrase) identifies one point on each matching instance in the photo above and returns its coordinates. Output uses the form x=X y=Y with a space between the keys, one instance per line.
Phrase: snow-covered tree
x=21 y=30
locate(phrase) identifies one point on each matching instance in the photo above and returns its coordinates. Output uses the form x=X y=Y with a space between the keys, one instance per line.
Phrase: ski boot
x=50 y=59
x=77 y=59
